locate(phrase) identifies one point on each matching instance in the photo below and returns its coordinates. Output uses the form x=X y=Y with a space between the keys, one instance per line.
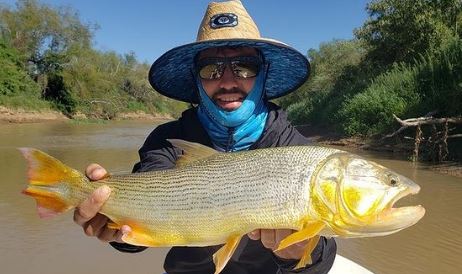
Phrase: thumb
x=95 y=172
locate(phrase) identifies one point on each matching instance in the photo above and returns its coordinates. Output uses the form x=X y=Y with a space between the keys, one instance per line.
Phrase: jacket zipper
x=229 y=144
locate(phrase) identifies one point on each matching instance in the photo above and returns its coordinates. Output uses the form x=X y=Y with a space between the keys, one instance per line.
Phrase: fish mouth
x=393 y=219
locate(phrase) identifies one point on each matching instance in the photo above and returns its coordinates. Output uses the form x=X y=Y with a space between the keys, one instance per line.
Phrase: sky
x=150 y=28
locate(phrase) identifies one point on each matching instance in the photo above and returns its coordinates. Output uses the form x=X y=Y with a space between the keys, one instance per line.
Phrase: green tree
x=335 y=73
x=17 y=89
x=52 y=49
x=433 y=83
x=401 y=30
x=35 y=28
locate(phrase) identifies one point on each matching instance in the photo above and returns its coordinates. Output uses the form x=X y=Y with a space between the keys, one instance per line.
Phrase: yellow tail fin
x=48 y=179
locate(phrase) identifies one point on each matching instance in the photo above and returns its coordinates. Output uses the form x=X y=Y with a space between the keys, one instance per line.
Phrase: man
x=230 y=73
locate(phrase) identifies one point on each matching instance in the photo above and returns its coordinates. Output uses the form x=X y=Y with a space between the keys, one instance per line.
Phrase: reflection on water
x=32 y=245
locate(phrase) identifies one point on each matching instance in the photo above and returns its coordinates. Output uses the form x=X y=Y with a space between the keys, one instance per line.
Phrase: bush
x=334 y=76
x=13 y=78
x=17 y=89
x=434 y=83
x=58 y=93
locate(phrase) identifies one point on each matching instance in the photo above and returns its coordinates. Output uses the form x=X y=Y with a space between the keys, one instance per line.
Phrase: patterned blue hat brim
x=172 y=73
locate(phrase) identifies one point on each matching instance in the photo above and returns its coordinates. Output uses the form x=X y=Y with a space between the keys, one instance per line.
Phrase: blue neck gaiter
x=238 y=129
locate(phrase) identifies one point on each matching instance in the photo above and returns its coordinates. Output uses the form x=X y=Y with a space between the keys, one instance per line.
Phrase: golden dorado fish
x=215 y=198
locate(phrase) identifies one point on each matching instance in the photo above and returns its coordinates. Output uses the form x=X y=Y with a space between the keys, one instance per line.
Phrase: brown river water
x=32 y=245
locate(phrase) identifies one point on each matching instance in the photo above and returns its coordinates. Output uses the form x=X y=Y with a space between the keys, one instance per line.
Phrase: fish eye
x=392 y=180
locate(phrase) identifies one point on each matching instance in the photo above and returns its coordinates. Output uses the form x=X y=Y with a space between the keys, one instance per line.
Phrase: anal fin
x=222 y=256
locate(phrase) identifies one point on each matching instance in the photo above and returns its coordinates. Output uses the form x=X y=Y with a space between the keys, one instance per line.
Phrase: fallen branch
x=427 y=121
x=437 y=142
x=99 y=102
x=413 y=122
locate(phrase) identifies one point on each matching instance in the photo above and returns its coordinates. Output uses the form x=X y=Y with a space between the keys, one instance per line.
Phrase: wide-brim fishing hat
x=228 y=24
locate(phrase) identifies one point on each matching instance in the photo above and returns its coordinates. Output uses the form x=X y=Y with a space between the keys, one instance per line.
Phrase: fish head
x=360 y=195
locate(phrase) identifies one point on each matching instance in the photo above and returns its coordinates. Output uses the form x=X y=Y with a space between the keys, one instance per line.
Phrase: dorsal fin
x=191 y=151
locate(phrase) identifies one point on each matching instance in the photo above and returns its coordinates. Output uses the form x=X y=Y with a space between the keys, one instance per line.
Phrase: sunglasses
x=242 y=67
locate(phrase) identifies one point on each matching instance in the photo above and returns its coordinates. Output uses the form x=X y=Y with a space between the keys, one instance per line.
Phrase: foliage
x=51 y=54
x=35 y=28
x=434 y=83
x=59 y=94
x=334 y=75
x=370 y=112
x=16 y=87
x=405 y=60
x=402 y=30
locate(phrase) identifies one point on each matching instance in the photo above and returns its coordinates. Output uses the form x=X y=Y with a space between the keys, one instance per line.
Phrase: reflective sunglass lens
x=244 y=69
x=241 y=67
x=211 y=71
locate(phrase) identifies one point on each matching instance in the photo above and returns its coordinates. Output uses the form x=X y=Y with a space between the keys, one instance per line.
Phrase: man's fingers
x=281 y=234
x=123 y=230
x=108 y=234
x=294 y=251
x=95 y=172
x=95 y=225
x=254 y=235
x=92 y=205
x=268 y=238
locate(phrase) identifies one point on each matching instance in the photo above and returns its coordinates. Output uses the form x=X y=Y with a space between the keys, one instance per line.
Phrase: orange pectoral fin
x=48 y=204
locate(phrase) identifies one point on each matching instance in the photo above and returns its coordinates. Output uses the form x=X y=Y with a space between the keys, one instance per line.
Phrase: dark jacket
x=250 y=256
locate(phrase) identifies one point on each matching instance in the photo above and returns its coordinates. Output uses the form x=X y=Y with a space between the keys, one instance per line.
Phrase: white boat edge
x=343 y=265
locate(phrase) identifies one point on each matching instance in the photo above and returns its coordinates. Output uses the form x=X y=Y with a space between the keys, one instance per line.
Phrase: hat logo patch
x=223 y=20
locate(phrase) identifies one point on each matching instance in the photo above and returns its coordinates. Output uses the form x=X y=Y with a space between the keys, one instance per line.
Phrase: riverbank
x=8 y=115
x=316 y=135
x=330 y=138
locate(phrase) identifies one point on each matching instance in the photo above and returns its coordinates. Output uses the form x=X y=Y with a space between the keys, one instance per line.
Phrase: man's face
x=228 y=91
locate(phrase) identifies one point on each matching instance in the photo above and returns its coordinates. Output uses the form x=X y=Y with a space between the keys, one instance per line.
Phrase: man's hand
x=86 y=214
x=271 y=238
